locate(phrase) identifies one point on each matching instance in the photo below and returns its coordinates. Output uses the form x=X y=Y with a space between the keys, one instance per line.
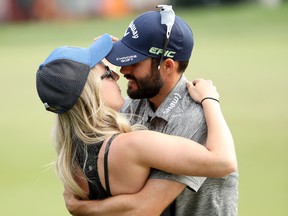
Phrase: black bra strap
x=106 y=164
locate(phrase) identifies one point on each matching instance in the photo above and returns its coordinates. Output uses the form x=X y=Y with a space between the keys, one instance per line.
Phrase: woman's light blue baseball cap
x=61 y=78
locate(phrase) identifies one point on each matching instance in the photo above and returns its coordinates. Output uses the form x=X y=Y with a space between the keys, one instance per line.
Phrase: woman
x=75 y=84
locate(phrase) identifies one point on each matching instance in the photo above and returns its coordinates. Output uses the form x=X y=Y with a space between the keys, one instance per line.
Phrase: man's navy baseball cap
x=145 y=37
x=61 y=78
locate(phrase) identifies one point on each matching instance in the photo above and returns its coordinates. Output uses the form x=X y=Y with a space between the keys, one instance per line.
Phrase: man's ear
x=169 y=65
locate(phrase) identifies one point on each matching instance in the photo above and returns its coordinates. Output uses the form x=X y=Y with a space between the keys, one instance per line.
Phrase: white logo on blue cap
x=134 y=30
x=126 y=33
x=126 y=58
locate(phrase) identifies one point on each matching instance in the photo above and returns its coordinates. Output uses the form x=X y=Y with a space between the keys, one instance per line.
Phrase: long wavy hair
x=89 y=121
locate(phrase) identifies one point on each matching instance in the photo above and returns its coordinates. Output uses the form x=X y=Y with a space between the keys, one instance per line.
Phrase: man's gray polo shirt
x=180 y=115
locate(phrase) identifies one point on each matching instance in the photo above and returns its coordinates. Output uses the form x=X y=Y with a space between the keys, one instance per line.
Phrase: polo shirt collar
x=174 y=98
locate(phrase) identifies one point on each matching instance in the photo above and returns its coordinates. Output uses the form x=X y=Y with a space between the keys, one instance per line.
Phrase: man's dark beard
x=148 y=87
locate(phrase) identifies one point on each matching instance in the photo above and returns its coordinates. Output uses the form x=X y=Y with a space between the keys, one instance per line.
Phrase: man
x=157 y=91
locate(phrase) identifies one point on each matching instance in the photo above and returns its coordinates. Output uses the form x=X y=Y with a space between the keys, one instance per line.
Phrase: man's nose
x=125 y=70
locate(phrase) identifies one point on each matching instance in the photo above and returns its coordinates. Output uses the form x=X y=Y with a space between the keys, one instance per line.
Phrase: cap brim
x=99 y=49
x=90 y=56
x=122 y=55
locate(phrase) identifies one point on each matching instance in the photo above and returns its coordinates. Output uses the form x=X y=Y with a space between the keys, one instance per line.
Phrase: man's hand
x=71 y=201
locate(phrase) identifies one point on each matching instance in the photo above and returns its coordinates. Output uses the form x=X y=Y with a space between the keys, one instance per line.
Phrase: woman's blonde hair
x=89 y=121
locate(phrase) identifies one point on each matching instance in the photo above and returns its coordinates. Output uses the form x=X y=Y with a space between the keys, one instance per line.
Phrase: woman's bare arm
x=178 y=155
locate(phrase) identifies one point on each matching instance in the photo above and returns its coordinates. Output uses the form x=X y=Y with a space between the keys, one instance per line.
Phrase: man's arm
x=156 y=195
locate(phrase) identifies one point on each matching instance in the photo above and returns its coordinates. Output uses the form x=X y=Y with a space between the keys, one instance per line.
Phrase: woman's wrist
x=209 y=98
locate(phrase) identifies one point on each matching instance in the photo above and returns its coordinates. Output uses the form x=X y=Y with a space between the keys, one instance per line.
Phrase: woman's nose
x=116 y=76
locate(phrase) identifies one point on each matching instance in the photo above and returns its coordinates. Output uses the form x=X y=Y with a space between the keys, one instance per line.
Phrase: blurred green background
x=243 y=49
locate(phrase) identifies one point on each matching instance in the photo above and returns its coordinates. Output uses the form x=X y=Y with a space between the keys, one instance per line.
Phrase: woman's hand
x=200 y=89
x=111 y=66
x=114 y=39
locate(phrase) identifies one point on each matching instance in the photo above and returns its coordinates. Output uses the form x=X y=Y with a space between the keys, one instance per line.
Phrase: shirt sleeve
x=192 y=182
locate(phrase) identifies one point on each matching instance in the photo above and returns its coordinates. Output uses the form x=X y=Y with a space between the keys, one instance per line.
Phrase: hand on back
x=200 y=89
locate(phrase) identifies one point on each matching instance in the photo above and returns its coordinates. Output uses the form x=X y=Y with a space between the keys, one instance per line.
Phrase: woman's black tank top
x=90 y=168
